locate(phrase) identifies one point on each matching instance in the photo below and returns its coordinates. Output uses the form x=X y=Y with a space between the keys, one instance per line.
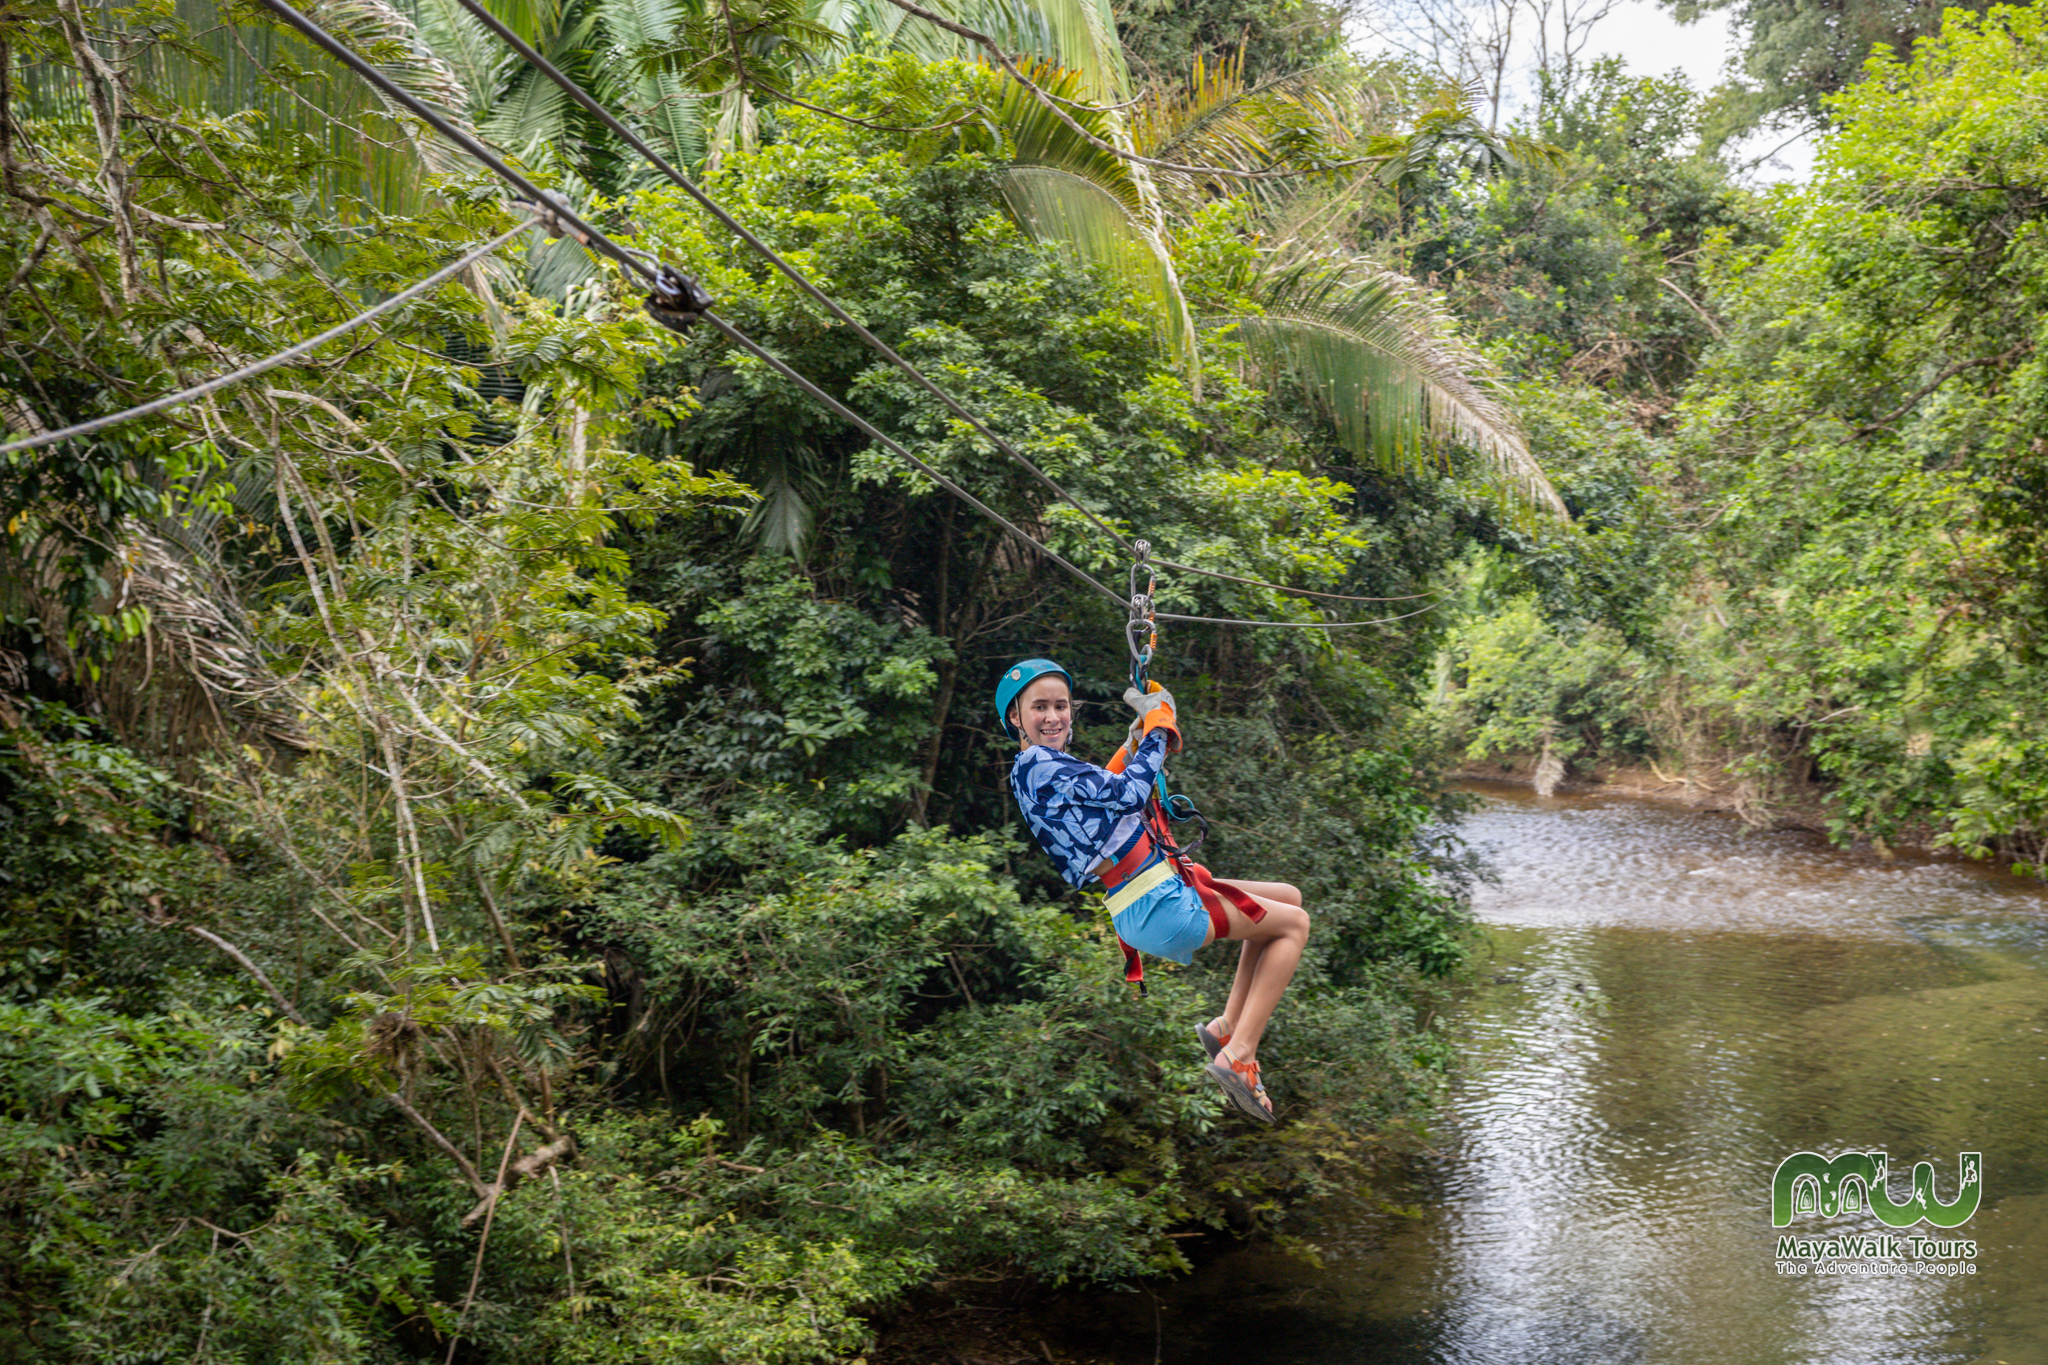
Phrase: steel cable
x=268 y=363
x=636 y=261
x=597 y=110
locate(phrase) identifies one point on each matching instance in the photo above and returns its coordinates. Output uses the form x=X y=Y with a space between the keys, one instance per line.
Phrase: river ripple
x=1667 y=1008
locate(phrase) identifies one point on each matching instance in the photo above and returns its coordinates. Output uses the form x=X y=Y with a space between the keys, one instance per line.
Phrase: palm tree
x=1360 y=338
x=1365 y=341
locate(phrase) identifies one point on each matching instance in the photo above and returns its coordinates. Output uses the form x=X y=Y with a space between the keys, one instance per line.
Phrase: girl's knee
x=1290 y=921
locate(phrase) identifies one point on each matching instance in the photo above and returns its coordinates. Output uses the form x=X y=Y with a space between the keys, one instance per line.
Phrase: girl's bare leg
x=1240 y=989
x=1272 y=891
x=1248 y=956
x=1277 y=941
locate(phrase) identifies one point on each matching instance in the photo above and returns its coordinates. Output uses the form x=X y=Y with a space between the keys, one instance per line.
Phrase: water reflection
x=1670 y=1008
x=1613 y=862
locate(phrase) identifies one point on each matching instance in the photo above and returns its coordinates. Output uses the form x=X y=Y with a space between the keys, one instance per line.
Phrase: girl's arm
x=1124 y=785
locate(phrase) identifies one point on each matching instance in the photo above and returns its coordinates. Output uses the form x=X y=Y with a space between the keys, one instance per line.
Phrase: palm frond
x=661 y=103
x=715 y=47
x=1085 y=218
x=195 y=681
x=781 y=521
x=376 y=28
x=1078 y=35
x=482 y=63
x=533 y=20
x=1066 y=191
x=531 y=119
x=869 y=24
x=1075 y=35
x=1018 y=26
x=1205 y=117
x=213 y=684
x=1039 y=137
x=736 y=129
x=1450 y=126
x=1307 y=118
x=226 y=67
x=888 y=27
x=1389 y=366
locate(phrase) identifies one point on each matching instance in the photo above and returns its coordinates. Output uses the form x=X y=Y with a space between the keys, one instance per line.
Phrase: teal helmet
x=1015 y=679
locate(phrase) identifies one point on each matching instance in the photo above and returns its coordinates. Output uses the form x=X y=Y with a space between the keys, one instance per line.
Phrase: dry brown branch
x=476 y=1270
x=291 y=1011
x=396 y=1100
x=1931 y=385
x=532 y=1164
x=102 y=87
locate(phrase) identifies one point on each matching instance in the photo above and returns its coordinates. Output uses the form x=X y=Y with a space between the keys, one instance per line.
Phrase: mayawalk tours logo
x=1808 y=1184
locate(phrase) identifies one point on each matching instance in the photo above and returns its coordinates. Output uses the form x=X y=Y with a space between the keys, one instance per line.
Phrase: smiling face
x=1044 y=713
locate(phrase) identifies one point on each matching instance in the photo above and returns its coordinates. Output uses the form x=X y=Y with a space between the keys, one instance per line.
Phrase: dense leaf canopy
x=507 y=855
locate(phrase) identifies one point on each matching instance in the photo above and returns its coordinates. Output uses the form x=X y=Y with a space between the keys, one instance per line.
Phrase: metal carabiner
x=1144 y=615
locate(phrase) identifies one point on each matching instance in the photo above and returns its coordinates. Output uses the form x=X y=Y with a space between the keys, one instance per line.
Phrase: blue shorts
x=1168 y=921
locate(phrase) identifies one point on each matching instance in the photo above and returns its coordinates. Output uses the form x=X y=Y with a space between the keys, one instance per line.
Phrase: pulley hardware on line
x=1174 y=807
x=1144 y=621
x=677 y=301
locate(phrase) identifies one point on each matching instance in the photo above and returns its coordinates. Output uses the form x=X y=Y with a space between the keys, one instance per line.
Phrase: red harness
x=1212 y=891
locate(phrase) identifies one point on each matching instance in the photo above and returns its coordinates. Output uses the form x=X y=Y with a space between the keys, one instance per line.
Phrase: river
x=1667 y=1007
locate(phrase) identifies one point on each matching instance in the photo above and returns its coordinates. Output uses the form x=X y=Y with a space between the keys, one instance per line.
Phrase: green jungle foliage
x=507 y=853
x=1817 y=582
x=1796 y=53
x=1269 y=39
x=1589 y=269
x=505 y=849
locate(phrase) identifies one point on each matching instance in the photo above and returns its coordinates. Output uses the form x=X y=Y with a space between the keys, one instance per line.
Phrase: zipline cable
x=597 y=110
x=268 y=363
x=552 y=206
x=833 y=405
x=589 y=235
x=467 y=142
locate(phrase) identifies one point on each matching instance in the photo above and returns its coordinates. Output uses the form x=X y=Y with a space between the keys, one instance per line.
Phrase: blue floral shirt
x=1079 y=813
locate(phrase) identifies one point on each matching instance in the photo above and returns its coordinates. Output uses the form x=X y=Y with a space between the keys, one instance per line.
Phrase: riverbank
x=1651 y=783
x=1671 y=1006
x=939 y=1332
x=1800 y=806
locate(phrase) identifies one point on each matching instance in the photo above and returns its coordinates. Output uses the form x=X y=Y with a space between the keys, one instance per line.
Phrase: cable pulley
x=677 y=302
x=1141 y=633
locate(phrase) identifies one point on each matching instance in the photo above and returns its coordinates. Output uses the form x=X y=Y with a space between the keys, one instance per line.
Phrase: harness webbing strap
x=1213 y=892
x=1211 y=889
x=1127 y=893
x=1140 y=853
x=1143 y=869
x=1135 y=857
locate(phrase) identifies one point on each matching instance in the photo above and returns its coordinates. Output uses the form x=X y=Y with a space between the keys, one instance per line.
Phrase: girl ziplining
x=1103 y=823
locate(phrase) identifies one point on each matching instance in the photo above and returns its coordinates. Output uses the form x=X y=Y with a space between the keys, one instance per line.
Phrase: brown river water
x=1668 y=1006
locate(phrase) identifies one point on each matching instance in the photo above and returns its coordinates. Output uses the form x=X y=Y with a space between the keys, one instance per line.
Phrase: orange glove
x=1155 y=712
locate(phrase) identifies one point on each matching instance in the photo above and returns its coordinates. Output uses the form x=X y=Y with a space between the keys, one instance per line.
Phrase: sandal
x=1212 y=1043
x=1240 y=1082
